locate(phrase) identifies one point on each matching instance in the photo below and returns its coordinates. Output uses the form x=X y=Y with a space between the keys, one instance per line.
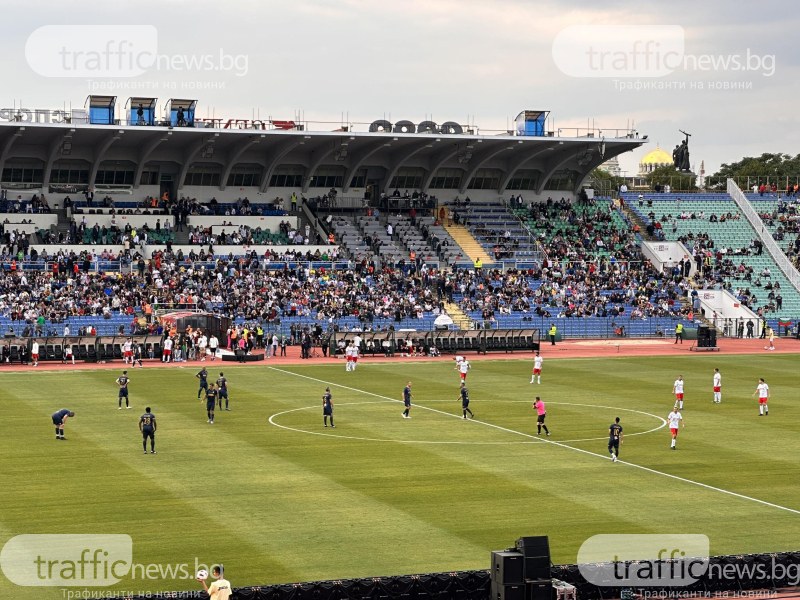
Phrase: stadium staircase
x=181 y=236
x=736 y=233
x=637 y=220
x=468 y=243
x=459 y=317
x=63 y=224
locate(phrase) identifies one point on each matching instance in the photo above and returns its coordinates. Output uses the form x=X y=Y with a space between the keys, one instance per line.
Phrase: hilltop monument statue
x=680 y=155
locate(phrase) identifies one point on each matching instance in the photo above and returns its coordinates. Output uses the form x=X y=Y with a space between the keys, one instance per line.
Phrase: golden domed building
x=653 y=160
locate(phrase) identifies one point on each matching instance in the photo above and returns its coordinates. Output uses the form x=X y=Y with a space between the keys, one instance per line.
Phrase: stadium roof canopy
x=272 y=144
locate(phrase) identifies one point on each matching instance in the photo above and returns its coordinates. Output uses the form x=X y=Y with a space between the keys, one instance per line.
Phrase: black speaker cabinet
x=508 y=568
x=536 y=567
x=539 y=589
x=509 y=592
x=536 y=545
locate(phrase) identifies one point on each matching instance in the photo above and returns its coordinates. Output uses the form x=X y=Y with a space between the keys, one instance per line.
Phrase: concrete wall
x=42 y=221
x=665 y=255
x=220 y=250
x=270 y=223
x=135 y=221
x=726 y=306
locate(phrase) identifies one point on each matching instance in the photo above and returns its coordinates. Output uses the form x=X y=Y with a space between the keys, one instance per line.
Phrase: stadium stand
x=724 y=245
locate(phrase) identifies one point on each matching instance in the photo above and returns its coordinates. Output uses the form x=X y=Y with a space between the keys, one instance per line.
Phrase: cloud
x=447 y=59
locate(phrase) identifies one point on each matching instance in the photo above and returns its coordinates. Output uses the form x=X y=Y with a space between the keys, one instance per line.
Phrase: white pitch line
x=383 y=401
x=561 y=445
x=367 y=439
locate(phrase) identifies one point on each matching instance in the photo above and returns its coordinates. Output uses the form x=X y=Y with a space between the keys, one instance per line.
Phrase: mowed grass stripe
x=694 y=503
x=741 y=496
x=350 y=500
x=284 y=486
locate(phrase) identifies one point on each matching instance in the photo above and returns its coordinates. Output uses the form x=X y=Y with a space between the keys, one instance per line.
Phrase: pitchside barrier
x=421 y=343
x=725 y=576
x=17 y=350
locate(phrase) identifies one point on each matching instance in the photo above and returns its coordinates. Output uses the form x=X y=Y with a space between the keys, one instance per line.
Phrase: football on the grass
x=202 y=575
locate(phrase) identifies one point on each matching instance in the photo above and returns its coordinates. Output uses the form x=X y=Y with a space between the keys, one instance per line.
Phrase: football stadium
x=390 y=358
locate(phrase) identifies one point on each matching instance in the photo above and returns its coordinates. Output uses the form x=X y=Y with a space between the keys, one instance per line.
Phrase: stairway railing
x=780 y=258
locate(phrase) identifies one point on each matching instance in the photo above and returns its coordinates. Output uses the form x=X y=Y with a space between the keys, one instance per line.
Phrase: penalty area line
x=560 y=445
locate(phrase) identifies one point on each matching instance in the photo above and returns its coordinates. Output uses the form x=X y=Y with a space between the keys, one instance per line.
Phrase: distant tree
x=670 y=176
x=604 y=181
x=766 y=165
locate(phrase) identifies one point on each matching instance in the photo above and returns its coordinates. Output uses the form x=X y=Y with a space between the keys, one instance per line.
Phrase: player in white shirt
x=354 y=355
x=762 y=389
x=202 y=344
x=68 y=355
x=537 y=369
x=675 y=421
x=127 y=351
x=348 y=356
x=213 y=346
x=35 y=353
x=677 y=389
x=166 y=350
x=462 y=366
x=717 y=386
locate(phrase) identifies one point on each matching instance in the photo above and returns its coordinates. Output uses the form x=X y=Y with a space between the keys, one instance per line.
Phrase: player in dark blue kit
x=211 y=401
x=222 y=388
x=147 y=425
x=407 y=400
x=59 y=419
x=203 y=377
x=327 y=407
x=464 y=396
x=122 y=382
x=137 y=355
x=614 y=439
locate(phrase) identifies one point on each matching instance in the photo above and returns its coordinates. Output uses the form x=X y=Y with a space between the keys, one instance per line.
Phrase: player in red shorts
x=537 y=369
x=462 y=366
x=166 y=350
x=762 y=389
x=675 y=421
x=717 y=387
x=127 y=351
x=677 y=389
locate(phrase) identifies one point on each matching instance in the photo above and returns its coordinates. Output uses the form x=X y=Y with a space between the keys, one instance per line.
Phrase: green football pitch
x=276 y=497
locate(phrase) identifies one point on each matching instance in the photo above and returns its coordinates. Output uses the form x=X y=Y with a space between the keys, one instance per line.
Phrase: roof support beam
x=401 y=160
x=476 y=163
x=55 y=151
x=101 y=151
x=189 y=158
x=237 y=154
x=435 y=164
x=274 y=157
x=12 y=139
x=145 y=154
x=359 y=158
x=518 y=162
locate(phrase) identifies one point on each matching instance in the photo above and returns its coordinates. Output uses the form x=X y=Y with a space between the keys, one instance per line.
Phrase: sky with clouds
x=659 y=67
